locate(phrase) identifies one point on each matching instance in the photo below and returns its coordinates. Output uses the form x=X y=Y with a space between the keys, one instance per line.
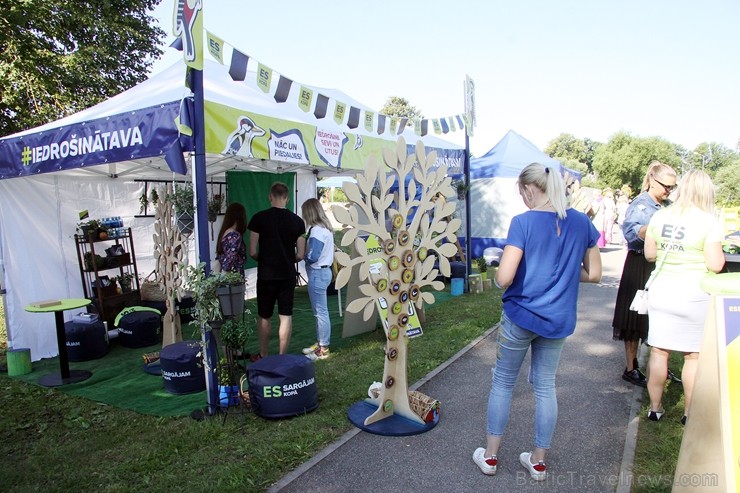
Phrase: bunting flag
x=402 y=125
x=318 y=103
x=305 y=97
x=322 y=103
x=467 y=122
x=187 y=24
x=339 y=110
x=264 y=77
x=369 y=116
x=283 y=89
x=238 y=66
x=354 y=117
x=381 y=124
x=215 y=47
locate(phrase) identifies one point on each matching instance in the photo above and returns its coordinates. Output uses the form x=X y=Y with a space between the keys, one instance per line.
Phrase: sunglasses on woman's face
x=667 y=188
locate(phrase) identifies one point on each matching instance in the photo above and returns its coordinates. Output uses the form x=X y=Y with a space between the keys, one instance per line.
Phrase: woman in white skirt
x=685 y=241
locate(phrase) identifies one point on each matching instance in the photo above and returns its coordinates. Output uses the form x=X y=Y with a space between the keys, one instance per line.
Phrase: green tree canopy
x=566 y=146
x=625 y=159
x=401 y=108
x=727 y=181
x=711 y=157
x=57 y=58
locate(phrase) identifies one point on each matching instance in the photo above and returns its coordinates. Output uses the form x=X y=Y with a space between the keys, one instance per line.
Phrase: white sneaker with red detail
x=487 y=465
x=538 y=471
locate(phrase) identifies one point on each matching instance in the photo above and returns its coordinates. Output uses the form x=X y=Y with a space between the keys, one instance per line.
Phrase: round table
x=65 y=376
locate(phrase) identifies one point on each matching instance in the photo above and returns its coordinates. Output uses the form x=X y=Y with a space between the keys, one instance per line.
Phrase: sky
x=591 y=68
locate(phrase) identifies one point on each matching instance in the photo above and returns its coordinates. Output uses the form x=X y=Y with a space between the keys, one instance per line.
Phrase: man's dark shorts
x=268 y=292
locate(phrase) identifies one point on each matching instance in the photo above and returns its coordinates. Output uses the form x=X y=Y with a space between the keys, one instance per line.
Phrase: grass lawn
x=658 y=443
x=52 y=442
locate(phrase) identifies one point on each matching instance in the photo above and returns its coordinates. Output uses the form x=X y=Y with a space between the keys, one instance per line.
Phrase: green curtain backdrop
x=252 y=190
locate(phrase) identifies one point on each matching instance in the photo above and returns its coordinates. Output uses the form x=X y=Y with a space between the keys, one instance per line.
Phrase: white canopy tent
x=42 y=189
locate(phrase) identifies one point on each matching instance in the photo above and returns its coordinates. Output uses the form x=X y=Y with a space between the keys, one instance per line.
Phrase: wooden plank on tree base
x=45 y=303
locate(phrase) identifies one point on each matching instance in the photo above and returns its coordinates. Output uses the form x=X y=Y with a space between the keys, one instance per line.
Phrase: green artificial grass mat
x=119 y=380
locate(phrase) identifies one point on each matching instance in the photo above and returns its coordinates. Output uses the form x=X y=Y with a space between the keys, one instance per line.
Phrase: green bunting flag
x=339 y=110
x=215 y=47
x=305 y=98
x=264 y=77
x=369 y=116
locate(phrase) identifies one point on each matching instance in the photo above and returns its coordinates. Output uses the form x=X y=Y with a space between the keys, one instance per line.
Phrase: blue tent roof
x=507 y=158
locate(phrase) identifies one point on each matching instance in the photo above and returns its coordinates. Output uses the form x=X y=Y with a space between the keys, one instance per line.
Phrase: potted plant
x=205 y=291
x=125 y=280
x=460 y=188
x=215 y=203
x=235 y=333
x=93 y=230
x=228 y=383
x=182 y=201
x=230 y=291
x=144 y=201
x=482 y=267
x=94 y=262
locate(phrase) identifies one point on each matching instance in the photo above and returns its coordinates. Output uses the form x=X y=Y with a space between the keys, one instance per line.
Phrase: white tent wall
x=38 y=219
x=495 y=202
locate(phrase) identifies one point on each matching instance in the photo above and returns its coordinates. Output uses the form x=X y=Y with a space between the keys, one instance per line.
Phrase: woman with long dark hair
x=231 y=251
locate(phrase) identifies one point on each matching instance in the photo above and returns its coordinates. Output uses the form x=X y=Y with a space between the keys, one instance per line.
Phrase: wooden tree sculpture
x=168 y=255
x=396 y=275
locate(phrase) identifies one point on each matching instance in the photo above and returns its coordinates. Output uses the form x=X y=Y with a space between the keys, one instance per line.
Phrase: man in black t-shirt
x=276 y=242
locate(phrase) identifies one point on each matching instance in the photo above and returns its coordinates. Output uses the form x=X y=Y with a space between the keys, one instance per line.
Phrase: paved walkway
x=593 y=444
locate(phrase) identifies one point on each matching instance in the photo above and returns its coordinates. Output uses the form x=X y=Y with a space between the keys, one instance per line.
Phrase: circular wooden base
x=393 y=425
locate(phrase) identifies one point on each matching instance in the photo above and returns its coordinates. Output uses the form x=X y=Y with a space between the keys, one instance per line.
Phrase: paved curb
x=331 y=448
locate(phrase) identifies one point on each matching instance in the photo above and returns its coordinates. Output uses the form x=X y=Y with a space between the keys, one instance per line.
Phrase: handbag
x=151 y=290
x=640 y=301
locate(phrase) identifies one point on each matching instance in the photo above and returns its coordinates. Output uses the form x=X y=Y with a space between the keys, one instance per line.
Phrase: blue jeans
x=318 y=281
x=513 y=344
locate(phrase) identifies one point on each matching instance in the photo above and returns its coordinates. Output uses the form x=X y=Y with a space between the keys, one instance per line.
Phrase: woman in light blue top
x=548 y=252
x=319 y=258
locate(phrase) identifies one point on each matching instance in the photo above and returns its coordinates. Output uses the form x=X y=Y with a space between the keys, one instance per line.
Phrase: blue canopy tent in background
x=494 y=198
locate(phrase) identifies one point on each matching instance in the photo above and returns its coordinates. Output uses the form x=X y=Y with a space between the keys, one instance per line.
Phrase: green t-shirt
x=684 y=237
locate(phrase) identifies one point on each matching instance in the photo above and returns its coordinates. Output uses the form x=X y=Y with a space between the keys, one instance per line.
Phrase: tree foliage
x=401 y=108
x=712 y=157
x=727 y=181
x=566 y=146
x=57 y=58
x=625 y=159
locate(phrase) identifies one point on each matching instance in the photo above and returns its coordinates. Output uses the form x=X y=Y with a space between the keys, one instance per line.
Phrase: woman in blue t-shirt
x=548 y=252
